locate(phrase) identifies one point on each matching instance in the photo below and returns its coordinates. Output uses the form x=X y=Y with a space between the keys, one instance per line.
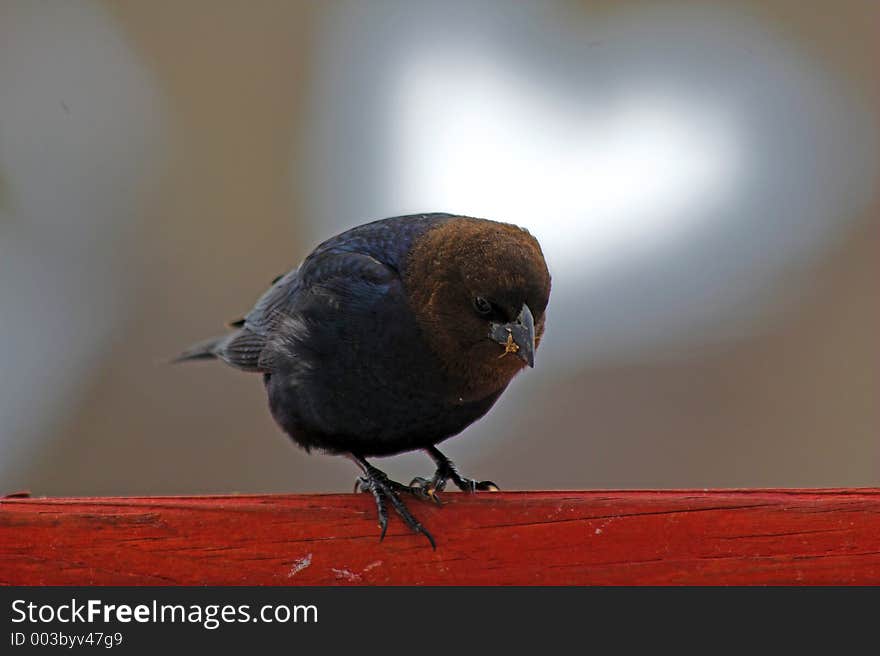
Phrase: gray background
x=702 y=177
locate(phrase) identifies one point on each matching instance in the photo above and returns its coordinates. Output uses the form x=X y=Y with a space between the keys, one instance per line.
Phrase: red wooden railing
x=514 y=538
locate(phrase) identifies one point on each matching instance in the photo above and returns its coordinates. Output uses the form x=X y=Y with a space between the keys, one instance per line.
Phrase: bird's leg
x=385 y=490
x=446 y=471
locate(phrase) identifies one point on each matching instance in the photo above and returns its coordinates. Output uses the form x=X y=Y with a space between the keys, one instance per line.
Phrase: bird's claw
x=429 y=490
x=447 y=472
x=480 y=486
x=384 y=491
x=471 y=486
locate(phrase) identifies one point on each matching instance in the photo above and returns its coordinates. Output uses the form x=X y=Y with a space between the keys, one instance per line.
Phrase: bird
x=391 y=337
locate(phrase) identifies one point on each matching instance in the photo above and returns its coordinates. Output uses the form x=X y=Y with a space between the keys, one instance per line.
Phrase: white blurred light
x=591 y=182
x=673 y=162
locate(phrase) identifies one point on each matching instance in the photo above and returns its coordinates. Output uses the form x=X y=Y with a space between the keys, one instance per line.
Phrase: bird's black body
x=354 y=344
x=355 y=375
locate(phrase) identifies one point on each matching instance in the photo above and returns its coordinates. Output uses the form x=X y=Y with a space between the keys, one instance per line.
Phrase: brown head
x=479 y=290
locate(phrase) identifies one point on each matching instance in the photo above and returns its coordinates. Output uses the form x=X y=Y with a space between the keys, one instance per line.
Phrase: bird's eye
x=482 y=306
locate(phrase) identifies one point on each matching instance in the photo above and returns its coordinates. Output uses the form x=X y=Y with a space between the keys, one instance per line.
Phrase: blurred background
x=702 y=176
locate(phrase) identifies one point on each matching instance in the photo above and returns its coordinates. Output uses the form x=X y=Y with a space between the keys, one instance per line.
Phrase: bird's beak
x=517 y=336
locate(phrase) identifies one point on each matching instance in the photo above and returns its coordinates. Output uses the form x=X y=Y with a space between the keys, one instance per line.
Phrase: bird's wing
x=328 y=284
x=239 y=323
x=345 y=274
x=275 y=303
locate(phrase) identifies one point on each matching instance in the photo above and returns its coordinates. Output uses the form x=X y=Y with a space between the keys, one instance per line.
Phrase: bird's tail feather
x=204 y=350
x=241 y=349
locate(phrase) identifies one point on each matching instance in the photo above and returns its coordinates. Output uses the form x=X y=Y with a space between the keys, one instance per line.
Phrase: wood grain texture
x=511 y=538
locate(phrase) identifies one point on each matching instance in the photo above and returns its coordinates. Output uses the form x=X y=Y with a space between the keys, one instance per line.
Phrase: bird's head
x=478 y=290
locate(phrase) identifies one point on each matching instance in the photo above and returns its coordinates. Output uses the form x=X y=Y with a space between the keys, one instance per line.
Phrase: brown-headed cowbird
x=394 y=336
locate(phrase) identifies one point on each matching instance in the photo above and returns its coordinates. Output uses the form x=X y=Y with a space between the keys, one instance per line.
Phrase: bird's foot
x=471 y=486
x=446 y=471
x=427 y=489
x=384 y=491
